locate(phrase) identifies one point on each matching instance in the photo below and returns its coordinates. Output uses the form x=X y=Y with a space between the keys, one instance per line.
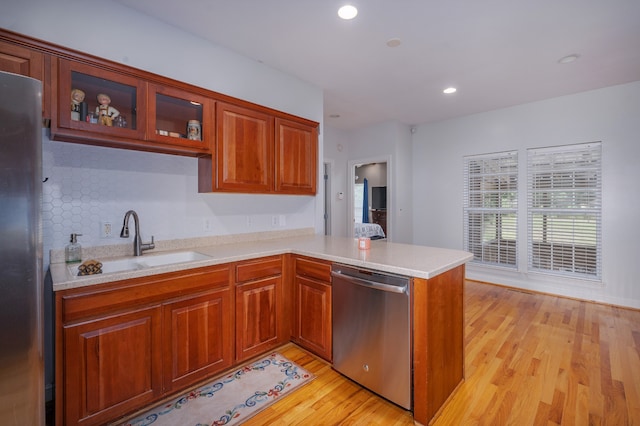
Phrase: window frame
x=485 y=210
x=564 y=211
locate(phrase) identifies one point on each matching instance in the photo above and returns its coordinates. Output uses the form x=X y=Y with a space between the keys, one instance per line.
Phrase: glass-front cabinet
x=95 y=103
x=178 y=117
x=102 y=106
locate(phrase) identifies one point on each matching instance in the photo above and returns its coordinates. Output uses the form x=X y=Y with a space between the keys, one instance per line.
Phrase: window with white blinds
x=564 y=210
x=491 y=208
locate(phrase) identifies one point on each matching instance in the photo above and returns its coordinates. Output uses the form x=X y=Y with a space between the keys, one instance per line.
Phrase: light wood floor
x=530 y=359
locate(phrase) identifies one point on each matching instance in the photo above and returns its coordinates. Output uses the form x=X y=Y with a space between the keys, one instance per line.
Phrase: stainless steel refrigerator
x=21 y=283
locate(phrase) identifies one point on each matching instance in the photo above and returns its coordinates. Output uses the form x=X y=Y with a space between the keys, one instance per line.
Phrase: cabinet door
x=180 y=118
x=312 y=307
x=244 y=149
x=112 y=366
x=21 y=60
x=197 y=338
x=123 y=123
x=24 y=61
x=257 y=320
x=296 y=157
x=313 y=316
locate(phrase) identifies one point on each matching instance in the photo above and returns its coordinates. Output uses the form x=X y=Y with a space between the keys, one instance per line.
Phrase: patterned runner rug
x=232 y=399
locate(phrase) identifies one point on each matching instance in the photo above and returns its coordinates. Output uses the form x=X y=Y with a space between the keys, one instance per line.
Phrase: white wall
x=336 y=152
x=610 y=115
x=387 y=140
x=88 y=185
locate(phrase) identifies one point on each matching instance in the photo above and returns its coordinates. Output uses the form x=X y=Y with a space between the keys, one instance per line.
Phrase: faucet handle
x=148 y=246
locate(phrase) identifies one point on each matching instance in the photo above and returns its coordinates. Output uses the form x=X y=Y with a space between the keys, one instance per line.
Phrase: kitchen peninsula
x=98 y=316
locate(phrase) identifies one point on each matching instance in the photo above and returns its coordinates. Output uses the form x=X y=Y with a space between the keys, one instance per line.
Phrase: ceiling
x=497 y=53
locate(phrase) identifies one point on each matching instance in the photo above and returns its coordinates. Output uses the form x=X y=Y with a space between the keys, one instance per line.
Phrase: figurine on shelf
x=193 y=130
x=105 y=112
x=77 y=98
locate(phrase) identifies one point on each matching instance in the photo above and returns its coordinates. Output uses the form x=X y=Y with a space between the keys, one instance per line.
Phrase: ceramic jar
x=193 y=130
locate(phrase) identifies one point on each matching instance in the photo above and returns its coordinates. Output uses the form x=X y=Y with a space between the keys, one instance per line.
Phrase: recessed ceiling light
x=568 y=59
x=394 y=42
x=450 y=90
x=347 y=12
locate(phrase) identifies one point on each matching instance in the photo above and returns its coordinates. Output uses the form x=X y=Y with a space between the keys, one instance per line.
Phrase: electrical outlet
x=206 y=224
x=106 y=230
x=282 y=220
x=274 y=221
x=249 y=221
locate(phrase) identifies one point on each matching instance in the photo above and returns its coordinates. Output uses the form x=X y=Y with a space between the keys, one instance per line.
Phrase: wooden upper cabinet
x=181 y=118
x=128 y=96
x=259 y=152
x=21 y=60
x=244 y=149
x=148 y=116
x=296 y=157
x=241 y=147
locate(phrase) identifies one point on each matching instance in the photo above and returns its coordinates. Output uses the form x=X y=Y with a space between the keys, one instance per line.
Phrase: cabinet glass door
x=107 y=103
x=180 y=118
x=100 y=101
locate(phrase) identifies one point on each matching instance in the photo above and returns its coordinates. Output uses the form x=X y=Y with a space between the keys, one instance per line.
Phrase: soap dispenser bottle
x=72 y=252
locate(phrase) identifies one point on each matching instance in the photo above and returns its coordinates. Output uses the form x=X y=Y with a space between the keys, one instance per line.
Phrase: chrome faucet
x=138 y=245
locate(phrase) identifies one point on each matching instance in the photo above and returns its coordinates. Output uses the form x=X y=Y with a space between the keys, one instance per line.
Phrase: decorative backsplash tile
x=88 y=185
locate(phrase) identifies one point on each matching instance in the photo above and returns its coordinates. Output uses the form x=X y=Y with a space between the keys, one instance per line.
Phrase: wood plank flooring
x=530 y=359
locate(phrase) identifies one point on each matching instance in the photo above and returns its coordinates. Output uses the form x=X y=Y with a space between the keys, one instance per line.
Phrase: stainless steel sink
x=144 y=262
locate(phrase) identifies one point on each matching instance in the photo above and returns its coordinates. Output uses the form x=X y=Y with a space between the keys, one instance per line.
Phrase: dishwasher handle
x=371 y=284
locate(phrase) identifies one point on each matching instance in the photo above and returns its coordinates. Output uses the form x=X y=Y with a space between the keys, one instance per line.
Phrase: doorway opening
x=374 y=205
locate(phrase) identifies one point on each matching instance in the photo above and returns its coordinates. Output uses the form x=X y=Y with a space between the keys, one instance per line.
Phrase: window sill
x=537 y=281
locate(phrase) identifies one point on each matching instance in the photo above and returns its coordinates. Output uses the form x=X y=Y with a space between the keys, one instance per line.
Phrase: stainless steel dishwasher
x=372 y=331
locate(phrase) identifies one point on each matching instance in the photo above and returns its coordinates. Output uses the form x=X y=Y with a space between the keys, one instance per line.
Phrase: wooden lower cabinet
x=260 y=320
x=312 y=306
x=438 y=341
x=124 y=345
x=197 y=338
x=257 y=317
x=112 y=366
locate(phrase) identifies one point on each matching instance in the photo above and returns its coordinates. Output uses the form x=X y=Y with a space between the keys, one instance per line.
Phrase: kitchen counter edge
x=396 y=258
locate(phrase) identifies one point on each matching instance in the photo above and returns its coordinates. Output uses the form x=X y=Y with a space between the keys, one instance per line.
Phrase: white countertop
x=404 y=259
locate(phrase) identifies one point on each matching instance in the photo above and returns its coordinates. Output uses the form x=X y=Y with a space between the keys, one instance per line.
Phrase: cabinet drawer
x=260 y=268
x=313 y=269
